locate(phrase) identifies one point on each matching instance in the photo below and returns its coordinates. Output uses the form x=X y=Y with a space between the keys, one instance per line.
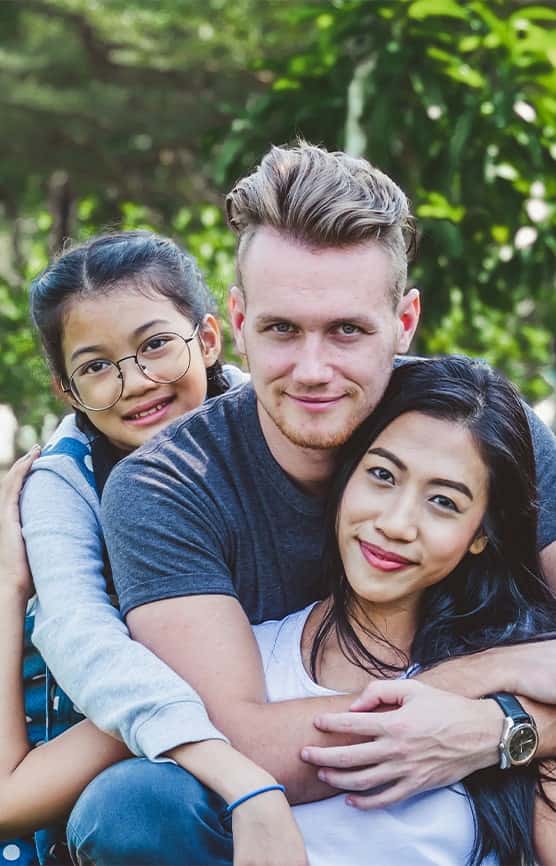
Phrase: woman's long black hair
x=494 y=598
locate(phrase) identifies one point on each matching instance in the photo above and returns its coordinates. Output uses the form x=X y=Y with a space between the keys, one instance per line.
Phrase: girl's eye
x=381 y=474
x=445 y=502
x=97 y=366
x=158 y=342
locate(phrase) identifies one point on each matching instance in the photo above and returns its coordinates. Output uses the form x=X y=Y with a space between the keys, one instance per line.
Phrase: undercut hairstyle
x=496 y=598
x=323 y=199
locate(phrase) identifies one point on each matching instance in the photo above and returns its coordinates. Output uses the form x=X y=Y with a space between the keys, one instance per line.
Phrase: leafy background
x=118 y=113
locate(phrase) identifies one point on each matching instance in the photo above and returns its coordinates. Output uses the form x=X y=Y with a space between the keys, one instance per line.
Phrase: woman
x=431 y=552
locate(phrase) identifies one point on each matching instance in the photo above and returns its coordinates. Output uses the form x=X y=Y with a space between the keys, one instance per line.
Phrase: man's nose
x=312 y=365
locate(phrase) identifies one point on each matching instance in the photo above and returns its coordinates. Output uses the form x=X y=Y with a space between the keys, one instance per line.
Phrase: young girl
x=431 y=553
x=128 y=327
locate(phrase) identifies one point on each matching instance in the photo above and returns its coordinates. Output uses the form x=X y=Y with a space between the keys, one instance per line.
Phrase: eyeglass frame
x=186 y=340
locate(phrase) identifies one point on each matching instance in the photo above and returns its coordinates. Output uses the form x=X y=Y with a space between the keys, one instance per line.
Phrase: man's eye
x=282 y=328
x=381 y=474
x=445 y=502
x=348 y=329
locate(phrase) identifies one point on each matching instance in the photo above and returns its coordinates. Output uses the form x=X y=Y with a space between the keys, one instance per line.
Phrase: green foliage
x=154 y=108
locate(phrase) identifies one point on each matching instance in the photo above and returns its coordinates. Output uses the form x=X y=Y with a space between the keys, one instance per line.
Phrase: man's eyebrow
x=382 y=452
x=99 y=350
x=441 y=482
x=364 y=321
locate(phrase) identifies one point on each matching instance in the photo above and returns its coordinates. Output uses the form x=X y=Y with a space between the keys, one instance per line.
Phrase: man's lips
x=384 y=560
x=313 y=403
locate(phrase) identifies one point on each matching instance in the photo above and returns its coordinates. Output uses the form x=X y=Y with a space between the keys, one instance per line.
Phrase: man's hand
x=420 y=738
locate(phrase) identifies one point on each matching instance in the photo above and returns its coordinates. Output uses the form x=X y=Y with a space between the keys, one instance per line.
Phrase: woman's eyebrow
x=442 y=482
x=382 y=452
x=454 y=485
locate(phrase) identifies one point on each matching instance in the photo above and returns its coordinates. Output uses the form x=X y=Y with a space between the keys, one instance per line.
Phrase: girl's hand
x=266 y=834
x=14 y=568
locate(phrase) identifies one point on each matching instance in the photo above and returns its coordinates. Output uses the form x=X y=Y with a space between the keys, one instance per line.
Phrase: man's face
x=319 y=330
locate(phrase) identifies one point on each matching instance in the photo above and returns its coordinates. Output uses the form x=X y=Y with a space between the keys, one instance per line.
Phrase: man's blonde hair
x=323 y=199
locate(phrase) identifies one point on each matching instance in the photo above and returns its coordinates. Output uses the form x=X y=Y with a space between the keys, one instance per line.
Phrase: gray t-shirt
x=204 y=508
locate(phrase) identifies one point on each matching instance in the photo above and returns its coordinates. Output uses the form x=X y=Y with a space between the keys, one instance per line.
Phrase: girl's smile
x=113 y=326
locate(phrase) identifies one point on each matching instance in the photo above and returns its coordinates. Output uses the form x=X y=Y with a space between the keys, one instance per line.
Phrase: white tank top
x=431 y=829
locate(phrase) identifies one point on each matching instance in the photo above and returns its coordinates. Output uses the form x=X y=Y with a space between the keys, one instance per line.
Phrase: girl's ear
x=209 y=337
x=61 y=393
x=479 y=543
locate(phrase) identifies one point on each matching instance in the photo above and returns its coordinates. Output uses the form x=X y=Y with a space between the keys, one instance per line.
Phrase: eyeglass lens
x=99 y=384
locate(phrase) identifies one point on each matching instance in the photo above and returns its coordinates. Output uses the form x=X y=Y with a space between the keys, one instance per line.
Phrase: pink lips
x=161 y=408
x=384 y=560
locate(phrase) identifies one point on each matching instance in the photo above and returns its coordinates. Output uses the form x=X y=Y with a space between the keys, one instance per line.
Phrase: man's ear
x=236 y=306
x=209 y=336
x=479 y=543
x=409 y=310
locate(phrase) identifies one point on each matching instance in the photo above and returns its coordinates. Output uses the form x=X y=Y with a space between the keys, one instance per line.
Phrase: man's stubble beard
x=317 y=441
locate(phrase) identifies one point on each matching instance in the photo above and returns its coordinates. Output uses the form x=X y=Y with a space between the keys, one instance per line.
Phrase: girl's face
x=113 y=326
x=411 y=511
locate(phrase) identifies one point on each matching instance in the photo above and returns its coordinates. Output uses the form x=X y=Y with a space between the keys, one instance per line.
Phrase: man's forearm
x=526 y=670
x=273 y=735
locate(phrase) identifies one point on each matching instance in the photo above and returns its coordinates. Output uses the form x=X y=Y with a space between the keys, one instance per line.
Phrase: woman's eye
x=445 y=502
x=381 y=474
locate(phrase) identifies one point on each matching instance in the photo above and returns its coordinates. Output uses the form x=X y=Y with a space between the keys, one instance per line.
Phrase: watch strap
x=511 y=707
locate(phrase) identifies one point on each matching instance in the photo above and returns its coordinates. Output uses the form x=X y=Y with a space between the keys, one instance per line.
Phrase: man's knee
x=139 y=813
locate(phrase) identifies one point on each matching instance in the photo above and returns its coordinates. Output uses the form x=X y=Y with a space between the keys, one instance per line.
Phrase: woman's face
x=411 y=510
x=113 y=326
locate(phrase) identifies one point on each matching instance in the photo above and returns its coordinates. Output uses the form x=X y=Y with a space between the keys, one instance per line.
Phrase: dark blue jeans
x=138 y=813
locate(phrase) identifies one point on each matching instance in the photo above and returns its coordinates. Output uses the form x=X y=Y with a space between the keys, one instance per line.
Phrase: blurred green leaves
x=154 y=108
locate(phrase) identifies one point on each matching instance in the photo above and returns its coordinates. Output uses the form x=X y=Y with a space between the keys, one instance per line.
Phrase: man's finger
x=385 y=692
x=359 y=724
x=364 y=779
x=348 y=757
x=399 y=791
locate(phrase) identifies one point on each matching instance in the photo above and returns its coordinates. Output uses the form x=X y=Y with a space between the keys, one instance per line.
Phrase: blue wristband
x=245 y=797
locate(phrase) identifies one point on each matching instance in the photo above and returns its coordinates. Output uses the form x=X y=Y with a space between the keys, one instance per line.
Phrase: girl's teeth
x=154 y=409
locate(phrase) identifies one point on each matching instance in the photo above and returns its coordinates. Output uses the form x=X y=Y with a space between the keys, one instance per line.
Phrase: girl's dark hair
x=140 y=259
x=494 y=598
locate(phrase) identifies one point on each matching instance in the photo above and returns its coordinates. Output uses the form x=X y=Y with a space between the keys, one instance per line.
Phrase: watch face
x=523 y=744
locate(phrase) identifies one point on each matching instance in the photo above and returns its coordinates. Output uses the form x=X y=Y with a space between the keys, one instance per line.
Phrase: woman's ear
x=209 y=337
x=479 y=543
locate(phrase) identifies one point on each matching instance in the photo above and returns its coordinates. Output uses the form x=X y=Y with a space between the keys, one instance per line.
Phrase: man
x=218 y=522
